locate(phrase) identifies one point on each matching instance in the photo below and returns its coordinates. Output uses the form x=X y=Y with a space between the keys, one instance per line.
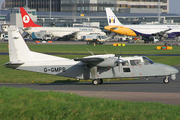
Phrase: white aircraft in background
x=140 y=30
x=96 y=67
x=30 y=27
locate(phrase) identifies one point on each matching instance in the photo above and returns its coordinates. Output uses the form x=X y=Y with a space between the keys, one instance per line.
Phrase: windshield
x=147 y=61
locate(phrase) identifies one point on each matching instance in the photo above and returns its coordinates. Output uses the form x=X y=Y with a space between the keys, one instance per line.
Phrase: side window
x=125 y=63
x=126 y=70
x=135 y=62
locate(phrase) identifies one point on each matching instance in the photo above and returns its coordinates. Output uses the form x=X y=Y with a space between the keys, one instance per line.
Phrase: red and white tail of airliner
x=26 y=19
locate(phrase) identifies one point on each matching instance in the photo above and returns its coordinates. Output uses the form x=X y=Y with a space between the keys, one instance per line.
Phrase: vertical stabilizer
x=19 y=52
x=26 y=19
x=111 y=18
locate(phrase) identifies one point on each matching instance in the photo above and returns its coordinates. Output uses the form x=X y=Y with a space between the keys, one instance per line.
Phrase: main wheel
x=100 y=81
x=95 y=82
x=166 y=80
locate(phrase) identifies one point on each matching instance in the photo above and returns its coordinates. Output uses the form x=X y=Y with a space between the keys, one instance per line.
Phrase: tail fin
x=111 y=18
x=18 y=50
x=26 y=19
x=20 y=53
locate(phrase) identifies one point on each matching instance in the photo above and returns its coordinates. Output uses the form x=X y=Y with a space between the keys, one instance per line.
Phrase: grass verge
x=32 y=104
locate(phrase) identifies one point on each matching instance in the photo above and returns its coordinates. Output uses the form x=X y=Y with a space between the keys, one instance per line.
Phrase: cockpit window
x=147 y=61
x=125 y=63
x=135 y=62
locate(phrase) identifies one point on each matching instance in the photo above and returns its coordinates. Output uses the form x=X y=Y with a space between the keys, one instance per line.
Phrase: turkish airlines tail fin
x=111 y=17
x=26 y=19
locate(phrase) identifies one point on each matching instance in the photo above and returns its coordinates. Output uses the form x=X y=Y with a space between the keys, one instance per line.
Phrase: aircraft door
x=136 y=67
x=125 y=69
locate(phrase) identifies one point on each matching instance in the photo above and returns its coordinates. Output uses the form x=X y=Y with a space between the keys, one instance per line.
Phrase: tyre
x=166 y=80
x=95 y=82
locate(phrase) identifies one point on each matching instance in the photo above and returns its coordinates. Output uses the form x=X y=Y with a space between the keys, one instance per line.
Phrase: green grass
x=98 y=49
x=21 y=104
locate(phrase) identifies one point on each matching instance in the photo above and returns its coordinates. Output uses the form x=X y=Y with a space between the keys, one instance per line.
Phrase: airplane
x=58 y=32
x=95 y=67
x=114 y=25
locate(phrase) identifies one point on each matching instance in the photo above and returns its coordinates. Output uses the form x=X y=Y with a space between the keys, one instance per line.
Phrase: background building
x=120 y=6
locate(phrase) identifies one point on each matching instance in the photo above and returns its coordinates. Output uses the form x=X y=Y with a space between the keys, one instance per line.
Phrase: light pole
x=158 y=11
x=176 y=7
x=50 y=9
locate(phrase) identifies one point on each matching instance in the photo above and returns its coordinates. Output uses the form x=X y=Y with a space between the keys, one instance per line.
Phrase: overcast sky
x=174 y=6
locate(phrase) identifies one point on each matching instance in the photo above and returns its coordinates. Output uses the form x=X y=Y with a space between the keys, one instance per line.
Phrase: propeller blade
x=119 y=67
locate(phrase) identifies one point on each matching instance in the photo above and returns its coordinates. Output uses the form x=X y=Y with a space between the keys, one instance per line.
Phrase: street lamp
x=176 y=7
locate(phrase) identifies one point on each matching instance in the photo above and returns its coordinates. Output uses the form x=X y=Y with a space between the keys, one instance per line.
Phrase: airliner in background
x=58 y=32
x=114 y=25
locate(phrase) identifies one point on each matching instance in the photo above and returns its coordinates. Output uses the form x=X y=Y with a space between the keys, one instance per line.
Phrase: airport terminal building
x=120 y=6
x=84 y=12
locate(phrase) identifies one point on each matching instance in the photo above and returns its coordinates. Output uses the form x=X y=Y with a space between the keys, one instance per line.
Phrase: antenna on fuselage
x=105 y=51
x=90 y=52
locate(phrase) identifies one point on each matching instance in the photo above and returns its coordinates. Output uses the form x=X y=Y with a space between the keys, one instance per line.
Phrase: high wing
x=108 y=60
x=94 y=59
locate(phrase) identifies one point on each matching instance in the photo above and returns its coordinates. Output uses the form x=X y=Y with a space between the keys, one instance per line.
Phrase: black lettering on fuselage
x=55 y=69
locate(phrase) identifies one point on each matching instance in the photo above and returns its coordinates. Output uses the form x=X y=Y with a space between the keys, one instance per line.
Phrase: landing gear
x=97 y=81
x=166 y=80
x=100 y=81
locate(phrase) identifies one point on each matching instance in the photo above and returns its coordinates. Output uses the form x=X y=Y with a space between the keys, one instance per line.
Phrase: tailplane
x=111 y=18
x=26 y=19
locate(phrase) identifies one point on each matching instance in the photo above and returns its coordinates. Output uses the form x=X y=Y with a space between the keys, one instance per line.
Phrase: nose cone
x=107 y=27
x=171 y=70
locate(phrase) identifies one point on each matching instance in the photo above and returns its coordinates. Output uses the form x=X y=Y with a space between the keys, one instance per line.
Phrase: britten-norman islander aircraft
x=96 y=67
x=140 y=30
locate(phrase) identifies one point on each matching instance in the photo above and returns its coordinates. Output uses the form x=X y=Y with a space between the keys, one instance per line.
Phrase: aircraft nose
x=107 y=27
x=171 y=70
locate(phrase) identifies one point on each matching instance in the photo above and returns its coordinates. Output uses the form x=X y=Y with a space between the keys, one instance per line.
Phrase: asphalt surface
x=153 y=90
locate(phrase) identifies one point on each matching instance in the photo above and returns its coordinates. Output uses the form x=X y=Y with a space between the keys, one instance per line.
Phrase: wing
x=94 y=59
x=162 y=33
x=71 y=34
x=99 y=60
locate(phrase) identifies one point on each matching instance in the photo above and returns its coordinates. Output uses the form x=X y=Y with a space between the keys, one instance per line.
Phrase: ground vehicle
x=5 y=38
x=151 y=39
x=94 y=38
x=41 y=36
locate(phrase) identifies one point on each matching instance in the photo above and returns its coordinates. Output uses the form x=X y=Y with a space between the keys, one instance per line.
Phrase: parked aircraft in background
x=96 y=67
x=169 y=31
x=30 y=27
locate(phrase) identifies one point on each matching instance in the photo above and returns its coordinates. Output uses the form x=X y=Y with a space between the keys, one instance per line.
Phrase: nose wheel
x=166 y=80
